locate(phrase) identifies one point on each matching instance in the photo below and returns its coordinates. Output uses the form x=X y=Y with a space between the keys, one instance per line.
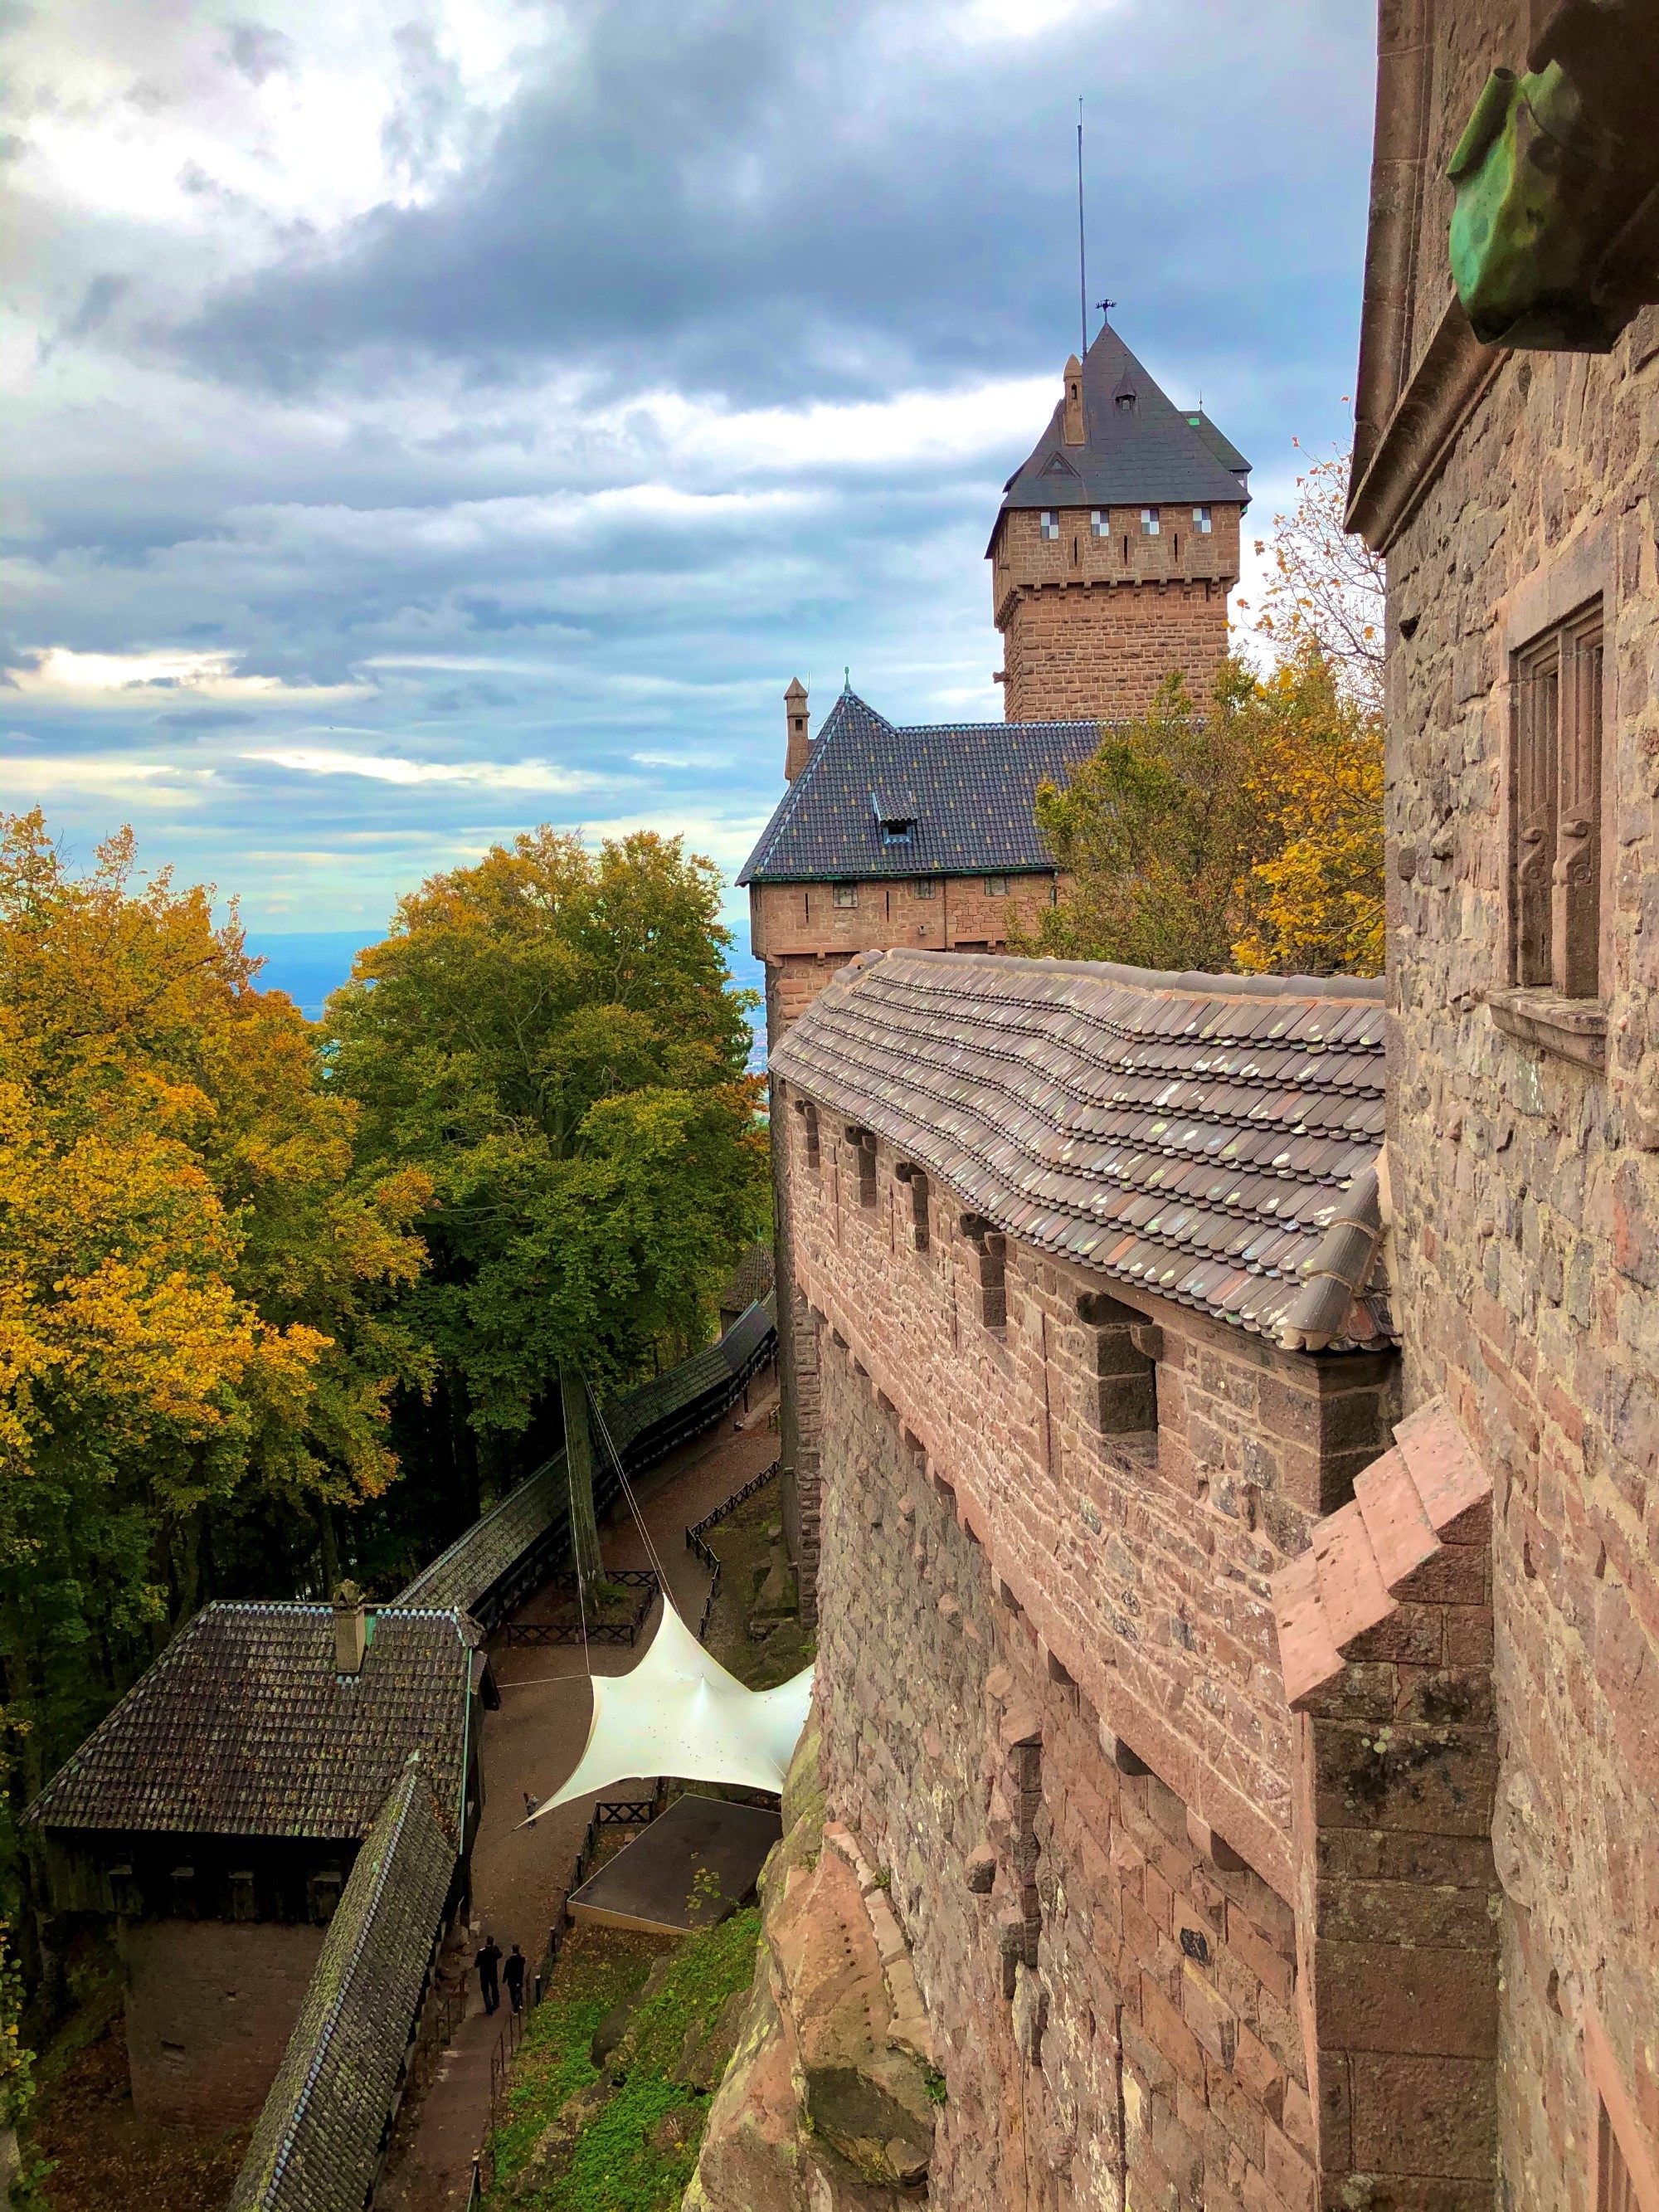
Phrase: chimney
x=1074 y=433
x=350 y=1629
x=794 y=706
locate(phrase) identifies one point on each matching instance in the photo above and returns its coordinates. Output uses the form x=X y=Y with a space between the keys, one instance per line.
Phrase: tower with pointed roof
x=1116 y=547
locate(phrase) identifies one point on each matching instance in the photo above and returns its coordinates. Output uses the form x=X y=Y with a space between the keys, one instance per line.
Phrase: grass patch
x=639 y=2150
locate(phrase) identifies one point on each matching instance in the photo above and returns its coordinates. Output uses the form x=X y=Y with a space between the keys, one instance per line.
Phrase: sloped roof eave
x=1193 y=1135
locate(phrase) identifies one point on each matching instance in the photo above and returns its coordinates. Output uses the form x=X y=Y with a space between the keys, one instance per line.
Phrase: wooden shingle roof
x=244 y=1727
x=1192 y=1134
x=318 y=2140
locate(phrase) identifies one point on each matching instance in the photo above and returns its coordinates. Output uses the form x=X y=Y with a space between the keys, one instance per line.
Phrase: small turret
x=1074 y=433
x=799 y=745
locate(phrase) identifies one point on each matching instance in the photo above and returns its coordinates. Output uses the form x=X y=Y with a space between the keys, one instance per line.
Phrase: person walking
x=529 y=1806
x=512 y=1975
x=487 y=1963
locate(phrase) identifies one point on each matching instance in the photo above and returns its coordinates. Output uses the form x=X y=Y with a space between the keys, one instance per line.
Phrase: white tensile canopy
x=680 y=1713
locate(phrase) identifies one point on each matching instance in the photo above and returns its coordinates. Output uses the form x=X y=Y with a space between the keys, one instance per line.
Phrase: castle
x=1222 y=1426
x=1115 y=549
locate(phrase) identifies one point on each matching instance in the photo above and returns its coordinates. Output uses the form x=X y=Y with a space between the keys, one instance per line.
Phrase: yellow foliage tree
x=1248 y=835
x=1312 y=904
x=197 y=1337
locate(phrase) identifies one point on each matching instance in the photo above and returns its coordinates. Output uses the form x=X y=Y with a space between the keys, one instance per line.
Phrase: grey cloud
x=467 y=698
x=755 y=198
x=258 y=51
x=202 y=721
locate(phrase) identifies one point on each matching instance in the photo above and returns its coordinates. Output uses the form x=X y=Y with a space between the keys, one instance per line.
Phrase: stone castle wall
x=1113 y=2011
x=210 y=2005
x=804 y=937
x=1091 y=625
x=1073 y=650
x=1136 y=1498
x=1527 y=1185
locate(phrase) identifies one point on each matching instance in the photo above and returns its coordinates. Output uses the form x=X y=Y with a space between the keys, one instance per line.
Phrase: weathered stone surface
x=826 y=2102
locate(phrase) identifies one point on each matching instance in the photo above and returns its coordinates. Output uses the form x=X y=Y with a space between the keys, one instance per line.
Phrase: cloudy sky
x=429 y=417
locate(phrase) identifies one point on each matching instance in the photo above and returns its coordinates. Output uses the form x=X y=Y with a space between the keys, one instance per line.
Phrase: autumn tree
x=1325 y=587
x=1248 y=835
x=551 y=1037
x=199 y=1327
x=1156 y=831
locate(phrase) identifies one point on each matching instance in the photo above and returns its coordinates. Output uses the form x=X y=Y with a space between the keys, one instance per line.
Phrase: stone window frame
x=907 y=1171
x=1562 y=597
x=990 y=1249
x=847 y=894
x=863 y=1142
x=1624 y=2170
x=924 y=887
x=997 y=887
x=809 y=1117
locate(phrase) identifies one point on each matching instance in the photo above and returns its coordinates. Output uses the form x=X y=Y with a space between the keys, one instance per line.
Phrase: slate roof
x=243 y=1727
x=970 y=785
x=1194 y=1134
x=1149 y=453
x=710 y=1380
x=318 y=2140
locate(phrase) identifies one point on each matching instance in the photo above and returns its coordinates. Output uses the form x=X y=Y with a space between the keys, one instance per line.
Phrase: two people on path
x=492 y=1973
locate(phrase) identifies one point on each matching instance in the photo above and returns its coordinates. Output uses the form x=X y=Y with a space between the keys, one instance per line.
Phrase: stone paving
x=520 y=1874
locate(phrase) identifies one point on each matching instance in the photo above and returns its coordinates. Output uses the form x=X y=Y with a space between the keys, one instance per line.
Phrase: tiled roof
x=243 y=1727
x=318 y=2141
x=1150 y=453
x=751 y=1280
x=1194 y=1134
x=969 y=787
x=648 y=1422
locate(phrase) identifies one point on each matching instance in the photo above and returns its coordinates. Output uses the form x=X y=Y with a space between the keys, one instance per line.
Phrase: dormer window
x=1201 y=520
x=1100 y=524
x=896 y=814
x=1149 y=522
x=1049 y=522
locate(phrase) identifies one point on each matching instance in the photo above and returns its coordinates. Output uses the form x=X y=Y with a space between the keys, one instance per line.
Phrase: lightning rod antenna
x=1082 y=264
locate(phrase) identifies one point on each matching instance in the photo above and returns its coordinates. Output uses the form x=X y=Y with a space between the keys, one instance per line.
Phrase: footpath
x=521 y=1874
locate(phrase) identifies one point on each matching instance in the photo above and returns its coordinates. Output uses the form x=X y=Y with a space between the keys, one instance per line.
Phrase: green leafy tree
x=552 y=1038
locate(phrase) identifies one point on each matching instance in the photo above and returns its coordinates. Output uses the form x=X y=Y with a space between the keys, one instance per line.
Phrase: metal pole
x=1082 y=266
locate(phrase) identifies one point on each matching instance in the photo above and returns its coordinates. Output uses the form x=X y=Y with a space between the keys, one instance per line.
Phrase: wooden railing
x=694 y=1537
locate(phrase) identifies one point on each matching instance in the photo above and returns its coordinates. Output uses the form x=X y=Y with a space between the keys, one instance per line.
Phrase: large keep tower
x=1116 y=547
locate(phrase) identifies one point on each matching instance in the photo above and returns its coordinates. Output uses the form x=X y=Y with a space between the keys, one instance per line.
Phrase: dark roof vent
x=1123 y=399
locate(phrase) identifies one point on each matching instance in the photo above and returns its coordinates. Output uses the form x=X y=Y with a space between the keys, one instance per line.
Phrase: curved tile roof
x=1194 y=1134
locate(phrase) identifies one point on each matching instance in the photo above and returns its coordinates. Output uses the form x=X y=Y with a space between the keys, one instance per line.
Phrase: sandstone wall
x=804 y=937
x=1527 y=1185
x=1136 y=1499
x=1069 y=650
x=210 y=2005
x=1111 y=2008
